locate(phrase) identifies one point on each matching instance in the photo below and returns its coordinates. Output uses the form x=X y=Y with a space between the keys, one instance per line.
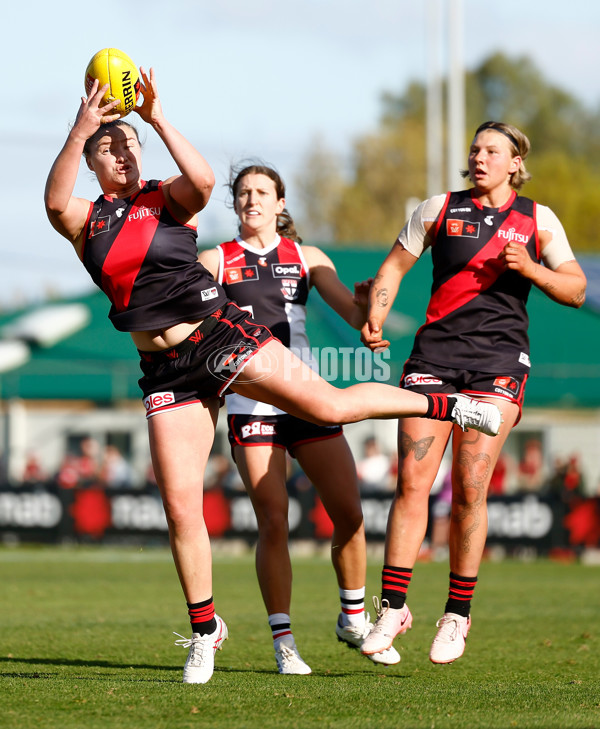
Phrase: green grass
x=86 y=643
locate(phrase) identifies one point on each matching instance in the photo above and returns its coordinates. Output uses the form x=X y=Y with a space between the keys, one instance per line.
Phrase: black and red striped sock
x=202 y=616
x=440 y=406
x=394 y=584
x=460 y=594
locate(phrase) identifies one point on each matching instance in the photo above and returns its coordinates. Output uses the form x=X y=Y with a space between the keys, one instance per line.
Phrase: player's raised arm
x=192 y=189
x=67 y=213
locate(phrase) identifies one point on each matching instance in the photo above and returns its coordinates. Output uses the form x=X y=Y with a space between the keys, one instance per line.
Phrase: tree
x=387 y=168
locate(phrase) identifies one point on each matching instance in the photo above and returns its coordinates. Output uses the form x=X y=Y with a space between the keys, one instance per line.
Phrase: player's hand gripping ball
x=113 y=67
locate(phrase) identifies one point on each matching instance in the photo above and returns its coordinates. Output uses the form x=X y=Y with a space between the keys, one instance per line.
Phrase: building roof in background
x=99 y=364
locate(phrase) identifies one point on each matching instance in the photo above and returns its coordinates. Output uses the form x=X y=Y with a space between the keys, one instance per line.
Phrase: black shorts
x=204 y=364
x=280 y=431
x=425 y=378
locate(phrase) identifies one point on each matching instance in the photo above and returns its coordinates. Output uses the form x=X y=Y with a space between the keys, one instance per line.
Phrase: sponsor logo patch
x=286 y=270
x=100 y=225
x=524 y=359
x=507 y=384
x=158 y=400
x=463 y=228
x=208 y=294
x=257 y=428
x=511 y=235
x=416 y=378
x=145 y=212
x=241 y=273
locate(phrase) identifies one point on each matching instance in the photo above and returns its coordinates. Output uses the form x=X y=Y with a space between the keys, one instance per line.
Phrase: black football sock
x=202 y=616
x=440 y=406
x=394 y=584
x=460 y=594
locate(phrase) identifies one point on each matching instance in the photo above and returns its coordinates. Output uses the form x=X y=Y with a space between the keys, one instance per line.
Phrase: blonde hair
x=520 y=147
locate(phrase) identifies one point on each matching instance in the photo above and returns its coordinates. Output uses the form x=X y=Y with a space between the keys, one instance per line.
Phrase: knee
x=350 y=522
x=183 y=511
x=272 y=524
x=412 y=490
x=332 y=412
x=470 y=489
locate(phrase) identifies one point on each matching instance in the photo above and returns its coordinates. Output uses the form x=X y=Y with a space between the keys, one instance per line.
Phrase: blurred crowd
x=91 y=463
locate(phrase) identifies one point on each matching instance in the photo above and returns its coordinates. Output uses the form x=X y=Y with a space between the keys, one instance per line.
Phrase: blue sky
x=238 y=79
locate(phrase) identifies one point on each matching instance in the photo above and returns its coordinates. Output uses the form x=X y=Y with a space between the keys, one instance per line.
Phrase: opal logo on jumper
x=289 y=270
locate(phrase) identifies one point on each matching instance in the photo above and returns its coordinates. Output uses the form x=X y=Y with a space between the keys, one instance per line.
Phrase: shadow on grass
x=80 y=663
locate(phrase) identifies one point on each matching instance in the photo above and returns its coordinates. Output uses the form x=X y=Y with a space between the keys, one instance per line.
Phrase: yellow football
x=113 y=67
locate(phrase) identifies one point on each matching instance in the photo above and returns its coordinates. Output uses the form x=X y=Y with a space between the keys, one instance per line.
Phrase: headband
x=508 y=135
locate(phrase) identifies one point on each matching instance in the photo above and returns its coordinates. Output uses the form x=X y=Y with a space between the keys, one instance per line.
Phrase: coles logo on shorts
x=158 y=400
x=415 y=379
x=257 y=428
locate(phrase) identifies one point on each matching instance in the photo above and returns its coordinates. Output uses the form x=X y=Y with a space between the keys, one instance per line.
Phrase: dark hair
x=285 y=224
x=87 y=147
x=520 y=147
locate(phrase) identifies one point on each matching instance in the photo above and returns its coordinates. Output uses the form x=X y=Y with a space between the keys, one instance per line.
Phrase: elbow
x=209 y=182
x=54 y=202
x=579 y=299
x=53 y=209
x=205 y=188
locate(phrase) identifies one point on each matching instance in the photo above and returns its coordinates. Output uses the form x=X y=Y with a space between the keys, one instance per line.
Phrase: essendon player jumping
x=138 y=241
x=488 y=246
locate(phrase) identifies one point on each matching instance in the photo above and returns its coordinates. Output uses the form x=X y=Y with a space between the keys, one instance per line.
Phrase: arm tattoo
x=548 y=287
x=579 y=298
x=382 y=298
x=419 y=447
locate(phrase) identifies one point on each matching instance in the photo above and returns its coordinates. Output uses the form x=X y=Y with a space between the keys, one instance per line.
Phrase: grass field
x=86 y=643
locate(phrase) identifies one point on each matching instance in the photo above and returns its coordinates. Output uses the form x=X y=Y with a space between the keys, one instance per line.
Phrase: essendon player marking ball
x=113 y=67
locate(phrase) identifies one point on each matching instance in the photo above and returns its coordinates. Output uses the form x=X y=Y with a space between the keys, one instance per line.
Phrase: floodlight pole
x=456 y=97
x=434 y=125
